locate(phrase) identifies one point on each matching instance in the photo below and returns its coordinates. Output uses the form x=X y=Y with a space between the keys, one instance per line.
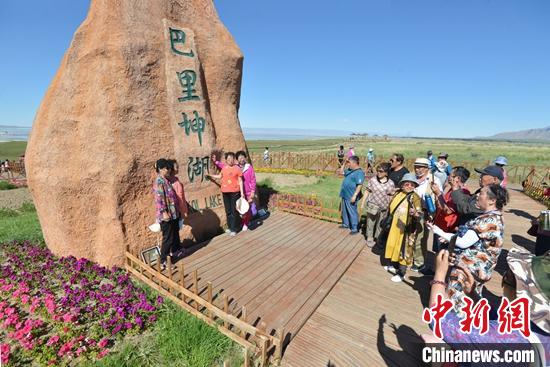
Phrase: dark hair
x=229 y=154
x=162 y=163
x=354 y=158
x=429 y=152
x=172 y=163
x=239 y=153
x=498 y=193
x=341 y=147
x=384 y=166
x=266 y=148
x=399 y=157
x=462 y=173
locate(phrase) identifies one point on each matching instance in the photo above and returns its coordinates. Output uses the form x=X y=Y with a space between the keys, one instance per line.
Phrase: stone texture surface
x=112 y=110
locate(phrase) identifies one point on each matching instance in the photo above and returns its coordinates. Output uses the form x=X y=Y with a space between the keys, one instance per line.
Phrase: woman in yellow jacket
x=406 y=207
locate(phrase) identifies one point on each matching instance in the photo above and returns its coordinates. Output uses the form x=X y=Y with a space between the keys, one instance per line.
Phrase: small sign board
x=151 y=255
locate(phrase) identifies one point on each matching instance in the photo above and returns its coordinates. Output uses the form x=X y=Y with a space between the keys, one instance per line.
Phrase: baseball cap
x=494 y=171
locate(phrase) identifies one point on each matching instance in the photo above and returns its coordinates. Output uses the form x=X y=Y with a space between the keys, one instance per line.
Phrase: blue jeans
x=350 y=216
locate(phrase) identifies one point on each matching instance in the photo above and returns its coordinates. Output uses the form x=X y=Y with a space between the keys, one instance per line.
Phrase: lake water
x=14 y=133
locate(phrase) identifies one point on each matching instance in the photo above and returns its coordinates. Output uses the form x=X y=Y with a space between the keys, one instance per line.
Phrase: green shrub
x=4 y=185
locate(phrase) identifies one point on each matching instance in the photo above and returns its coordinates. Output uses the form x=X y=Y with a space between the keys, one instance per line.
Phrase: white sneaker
x=245 y=228
x=228 y=231
x=397 y=278
x=232 y=233
x=390 y=269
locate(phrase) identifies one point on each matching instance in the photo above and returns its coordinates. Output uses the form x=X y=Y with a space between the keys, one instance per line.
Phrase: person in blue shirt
x=430 y=156
x=350 y=192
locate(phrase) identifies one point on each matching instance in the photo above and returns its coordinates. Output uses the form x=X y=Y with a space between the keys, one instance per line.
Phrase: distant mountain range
x=542 y=134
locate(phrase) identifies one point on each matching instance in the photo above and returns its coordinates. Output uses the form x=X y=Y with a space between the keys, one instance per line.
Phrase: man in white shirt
x=424 y=178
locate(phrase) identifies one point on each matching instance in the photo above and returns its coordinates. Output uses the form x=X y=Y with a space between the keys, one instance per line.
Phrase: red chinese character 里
x=437 y=313
x=514 y=316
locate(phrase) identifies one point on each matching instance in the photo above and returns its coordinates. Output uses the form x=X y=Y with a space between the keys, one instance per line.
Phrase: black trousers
x=230 y=203
x=170 y=238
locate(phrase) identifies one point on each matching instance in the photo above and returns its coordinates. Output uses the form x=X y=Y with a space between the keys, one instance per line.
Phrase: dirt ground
x=13 y=199
x=284 y=180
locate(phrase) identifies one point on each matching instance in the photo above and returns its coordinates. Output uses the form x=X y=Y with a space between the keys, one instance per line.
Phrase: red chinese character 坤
x=480 y=318
x=514 y=316
x=437 y=313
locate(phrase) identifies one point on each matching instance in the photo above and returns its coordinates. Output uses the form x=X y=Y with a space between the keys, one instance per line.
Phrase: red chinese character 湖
x=514 y=316
x=480 y=318
x=437 y=313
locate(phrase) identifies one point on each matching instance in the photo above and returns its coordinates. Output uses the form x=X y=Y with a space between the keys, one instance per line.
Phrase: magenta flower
x=53 y=339
x=5 y=353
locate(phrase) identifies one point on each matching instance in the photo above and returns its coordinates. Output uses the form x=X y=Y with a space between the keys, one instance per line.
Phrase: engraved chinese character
x=187 y=79
x=195 y=125
x=198 y=166
x=178 y=37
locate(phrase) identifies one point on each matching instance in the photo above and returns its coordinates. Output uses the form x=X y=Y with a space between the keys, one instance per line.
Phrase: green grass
x=12 y=150
x=459 y=150
x=177 y=339
x=326 y=189
x=20 y=225
x=4 y=185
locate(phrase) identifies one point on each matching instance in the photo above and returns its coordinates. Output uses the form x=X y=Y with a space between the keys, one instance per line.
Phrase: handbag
x=372 y=208
x=385 y=224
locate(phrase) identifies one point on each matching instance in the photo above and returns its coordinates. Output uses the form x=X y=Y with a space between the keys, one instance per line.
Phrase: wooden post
x=279 y=351
x=263 y=360
x=196 y=286
x=225 y=309
x=209 y=296
x=243 y=317
x=246 y=359
x=182 y=281
x=158 y=271
x=169 y=266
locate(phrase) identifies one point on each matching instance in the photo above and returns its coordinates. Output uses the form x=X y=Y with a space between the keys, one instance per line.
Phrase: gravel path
x=13 y=199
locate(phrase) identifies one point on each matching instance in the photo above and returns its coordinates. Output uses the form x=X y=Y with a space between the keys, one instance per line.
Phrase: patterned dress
x=480 y=258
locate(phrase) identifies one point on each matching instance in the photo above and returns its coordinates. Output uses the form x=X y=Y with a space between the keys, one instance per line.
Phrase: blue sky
x=459 y=68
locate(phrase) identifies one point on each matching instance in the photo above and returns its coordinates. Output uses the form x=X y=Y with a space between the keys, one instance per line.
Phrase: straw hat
x=242 y=206
x=533 y=282
x=422 y=162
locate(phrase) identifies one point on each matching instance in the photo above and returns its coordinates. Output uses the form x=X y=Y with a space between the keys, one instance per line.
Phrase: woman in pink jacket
x=249 y=183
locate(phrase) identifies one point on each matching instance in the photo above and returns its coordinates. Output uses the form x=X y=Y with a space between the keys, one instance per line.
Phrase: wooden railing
x=16 y=171
x=537 y=184
x=307 y=206
x=328 y=163
x=187 y=294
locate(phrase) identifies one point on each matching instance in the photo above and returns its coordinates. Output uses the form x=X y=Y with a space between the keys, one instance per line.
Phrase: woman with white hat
x=501 y=162
x=529 y=277
x=404 y=211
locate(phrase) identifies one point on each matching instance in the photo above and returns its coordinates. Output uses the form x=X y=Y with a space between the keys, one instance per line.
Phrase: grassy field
x=177 y=338
x=459 y=150
x=12 y=150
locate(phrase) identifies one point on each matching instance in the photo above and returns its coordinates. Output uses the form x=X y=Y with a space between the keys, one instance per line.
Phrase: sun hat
x=532 y=275
x=501 y=160
x=443 y=155
x=422 y=162
x=494 y=171
x=370 y=149
x=409 y=177
x=242 y=206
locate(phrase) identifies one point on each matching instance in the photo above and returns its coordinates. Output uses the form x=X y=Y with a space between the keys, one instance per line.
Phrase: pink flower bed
x=55 y=310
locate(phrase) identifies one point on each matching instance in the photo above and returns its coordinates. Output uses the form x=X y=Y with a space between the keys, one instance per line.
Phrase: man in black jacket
x=466 y=204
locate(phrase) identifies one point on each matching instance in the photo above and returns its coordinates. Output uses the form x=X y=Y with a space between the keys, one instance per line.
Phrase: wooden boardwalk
x=280 y=272
x=367 y=320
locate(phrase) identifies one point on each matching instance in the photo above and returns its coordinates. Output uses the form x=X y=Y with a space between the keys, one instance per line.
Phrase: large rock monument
x=141 y=80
